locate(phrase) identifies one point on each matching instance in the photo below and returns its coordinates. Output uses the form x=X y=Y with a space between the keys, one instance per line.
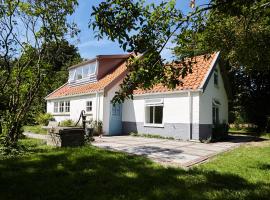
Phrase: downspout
x=190 y=115
x=97 y=107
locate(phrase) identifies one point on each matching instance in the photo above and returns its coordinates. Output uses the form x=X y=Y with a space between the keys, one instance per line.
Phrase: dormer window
x=82 y=72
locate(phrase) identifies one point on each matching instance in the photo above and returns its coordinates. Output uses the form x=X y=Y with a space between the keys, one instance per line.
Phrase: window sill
x=61 y=114
x=154 y=125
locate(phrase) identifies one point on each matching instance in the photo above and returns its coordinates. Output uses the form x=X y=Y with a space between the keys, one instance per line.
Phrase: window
x=67 y=106
x=88 y=106
x=71 y=75
x=85 y=71
x=215 y=112
x=55 y=107
x=154 y=112
x=79 y=73
x=216 y=77
x=61 y=106
x=92 y=68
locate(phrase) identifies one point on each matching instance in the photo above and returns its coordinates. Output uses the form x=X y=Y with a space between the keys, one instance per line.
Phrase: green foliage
x=241 y=31
x=26 y=32
x=98 y=127
x=67 y=123
x=44 y=118
x=150 y=136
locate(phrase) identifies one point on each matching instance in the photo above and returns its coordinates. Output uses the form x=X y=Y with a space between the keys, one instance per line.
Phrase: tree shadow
x=241 y=139
x=91 y=173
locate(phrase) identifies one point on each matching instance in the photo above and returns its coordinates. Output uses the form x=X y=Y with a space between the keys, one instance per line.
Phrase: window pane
x=67 y=107
x=151 y=119
x=79 y=73
x=148 y=115
x=158 y=114
x=92 y=68
x=71 y=75
x=61 y=107
x=55 y=109
x=85 y=71
x=88 y=106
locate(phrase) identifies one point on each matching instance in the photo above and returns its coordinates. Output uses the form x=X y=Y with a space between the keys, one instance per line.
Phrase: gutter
x=170 y=92
x=75 y=95
x=190 y=114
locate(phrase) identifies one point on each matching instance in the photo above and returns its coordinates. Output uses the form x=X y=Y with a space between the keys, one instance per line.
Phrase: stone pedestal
x=66 y=137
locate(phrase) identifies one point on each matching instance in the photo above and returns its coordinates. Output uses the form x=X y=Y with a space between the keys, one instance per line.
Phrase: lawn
x=35 y=129
x=91 y=173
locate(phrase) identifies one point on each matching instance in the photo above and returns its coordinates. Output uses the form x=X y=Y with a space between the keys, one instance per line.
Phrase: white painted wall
x=175 y=110
x=213 y=92
x=77 y=104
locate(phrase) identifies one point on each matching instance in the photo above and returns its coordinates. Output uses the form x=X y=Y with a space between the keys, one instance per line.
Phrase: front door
x=115 y=126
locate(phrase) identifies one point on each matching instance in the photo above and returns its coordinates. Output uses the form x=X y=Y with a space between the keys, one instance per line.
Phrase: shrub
x=67 y=123
x=98 y=127
x=44 y=118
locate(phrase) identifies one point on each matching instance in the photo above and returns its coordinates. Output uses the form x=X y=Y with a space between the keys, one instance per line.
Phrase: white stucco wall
x=77 y=104
x=213 y=92
x=175 y=110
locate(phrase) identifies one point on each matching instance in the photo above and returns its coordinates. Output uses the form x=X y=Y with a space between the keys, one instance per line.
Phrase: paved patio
x=169 y=152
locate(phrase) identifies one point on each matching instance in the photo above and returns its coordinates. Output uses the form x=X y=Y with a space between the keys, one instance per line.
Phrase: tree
x=240 y=28
x=243 y=36
x=146 y=29
x=26 y=27
x=59 y=56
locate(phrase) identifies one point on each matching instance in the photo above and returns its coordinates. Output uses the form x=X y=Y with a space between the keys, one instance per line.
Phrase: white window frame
x=72 y=73
x=78 y=71
x=153 y=103
x=67 y=106
x=89 y=106
x=61 y=106
x=56 y=107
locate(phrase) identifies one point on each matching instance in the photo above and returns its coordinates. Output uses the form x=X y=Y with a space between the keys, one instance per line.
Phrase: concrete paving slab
x=167 y=152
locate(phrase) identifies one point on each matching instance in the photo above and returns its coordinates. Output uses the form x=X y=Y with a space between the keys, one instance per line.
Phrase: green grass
x=35 y=129
x=91 y=173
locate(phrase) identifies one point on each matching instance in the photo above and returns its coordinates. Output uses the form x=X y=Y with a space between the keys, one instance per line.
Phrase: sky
x=89 y=46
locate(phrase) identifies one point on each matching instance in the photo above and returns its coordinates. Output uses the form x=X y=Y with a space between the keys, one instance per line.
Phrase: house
x=188 y=112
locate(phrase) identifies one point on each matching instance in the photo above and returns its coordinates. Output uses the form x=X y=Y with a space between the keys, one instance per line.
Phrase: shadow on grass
x=235 y=138
x=90 y=173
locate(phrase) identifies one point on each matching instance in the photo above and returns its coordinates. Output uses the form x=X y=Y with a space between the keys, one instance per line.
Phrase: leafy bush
x=44 y=118
x=98 y=127
x=67 y=123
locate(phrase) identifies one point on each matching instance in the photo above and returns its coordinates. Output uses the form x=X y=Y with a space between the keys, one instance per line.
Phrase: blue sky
x=89 y=47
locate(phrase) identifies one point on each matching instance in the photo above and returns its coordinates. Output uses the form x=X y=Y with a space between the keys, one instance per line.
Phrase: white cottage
x=187 y=112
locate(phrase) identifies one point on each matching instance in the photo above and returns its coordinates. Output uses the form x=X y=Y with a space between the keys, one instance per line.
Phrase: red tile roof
x=191 y=82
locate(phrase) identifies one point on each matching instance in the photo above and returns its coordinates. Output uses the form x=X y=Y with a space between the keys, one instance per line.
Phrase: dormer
x=94 y=69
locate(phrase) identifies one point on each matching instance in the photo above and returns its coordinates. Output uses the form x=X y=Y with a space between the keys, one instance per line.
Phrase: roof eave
x=209 y=73
x=75 y=95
